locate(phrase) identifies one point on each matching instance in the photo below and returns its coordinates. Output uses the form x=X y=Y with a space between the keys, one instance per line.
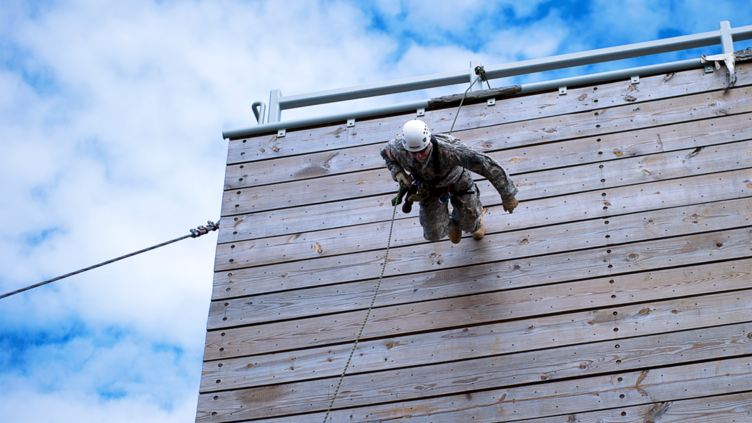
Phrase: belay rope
x=395 y=202
x=195 y=233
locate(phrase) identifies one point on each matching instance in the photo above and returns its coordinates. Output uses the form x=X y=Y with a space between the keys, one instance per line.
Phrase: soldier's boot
x=455 y=235
x=477 y=235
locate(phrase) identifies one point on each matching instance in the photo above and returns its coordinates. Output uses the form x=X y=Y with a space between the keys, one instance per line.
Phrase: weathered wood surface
x=330 y=270
x=446 y=253
x=515 y=160
x=622 y=118
x=558 y=182
x=680 y=251
x=299 y=220
x=619 y=287
x=336 y=137
x=532 y=185
x=573 y=296
x=622 y=389
x=327 y=361
x=481 y=94
x=566 y=237
x=717 y=409
x=487 y=373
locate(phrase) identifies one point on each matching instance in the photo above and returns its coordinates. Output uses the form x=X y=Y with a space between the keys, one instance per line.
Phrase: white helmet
x=415 y=136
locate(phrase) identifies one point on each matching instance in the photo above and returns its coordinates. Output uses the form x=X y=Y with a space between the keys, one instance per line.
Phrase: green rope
x=373 y=300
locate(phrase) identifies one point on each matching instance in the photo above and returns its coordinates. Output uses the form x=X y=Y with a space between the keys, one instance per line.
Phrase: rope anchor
x=203 y=230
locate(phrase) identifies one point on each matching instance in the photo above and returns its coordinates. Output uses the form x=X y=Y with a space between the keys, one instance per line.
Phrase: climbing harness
x=482 y=76
x=373 y=300
x=195 y=233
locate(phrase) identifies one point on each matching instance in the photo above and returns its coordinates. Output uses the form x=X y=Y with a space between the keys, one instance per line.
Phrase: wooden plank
x=622 y=259
x=716 y=409
x=535 y=401
x=328 y=361
x=484 y=308
x=376 y=182
x=371 y=131
x=556 y=182
x=584 y=177
x=328 y=246
x=298 y=220
x=330 y=270
x=538 y=367
x=560 y=238
x=515 y=160
x=573 y=296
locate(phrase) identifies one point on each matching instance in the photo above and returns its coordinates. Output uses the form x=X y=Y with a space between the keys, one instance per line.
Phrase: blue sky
x=111 y=116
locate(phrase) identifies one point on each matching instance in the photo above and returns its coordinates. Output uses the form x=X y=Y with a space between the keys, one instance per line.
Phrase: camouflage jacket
x=455 y=157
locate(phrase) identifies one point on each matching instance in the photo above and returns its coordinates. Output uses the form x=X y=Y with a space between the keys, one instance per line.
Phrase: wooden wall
x=618 y=291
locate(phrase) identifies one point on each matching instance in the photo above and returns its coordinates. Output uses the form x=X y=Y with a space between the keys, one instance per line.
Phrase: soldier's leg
x=467 y=210
x=434 y=218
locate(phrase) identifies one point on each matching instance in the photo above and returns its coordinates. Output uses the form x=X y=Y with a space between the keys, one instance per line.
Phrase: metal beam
x=479 y=85
x=412 y=106
x=372 y=90
x=514 y=69
x=321 y=120
x=598 y=78
x=275 y=112
x=727 y=42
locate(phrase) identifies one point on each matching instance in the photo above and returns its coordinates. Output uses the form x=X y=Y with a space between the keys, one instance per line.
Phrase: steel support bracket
x=350 y=123
x=421 y=112
x=635 y=79
x=491 y=102
x=281 y=133
x=562 y=90
x=275 y=112
x=727 y=41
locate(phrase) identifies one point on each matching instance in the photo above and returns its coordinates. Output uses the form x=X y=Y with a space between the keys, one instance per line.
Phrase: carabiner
x=444 y=198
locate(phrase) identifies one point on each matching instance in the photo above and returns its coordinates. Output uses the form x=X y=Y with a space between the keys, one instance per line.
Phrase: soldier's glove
x=509 y=205
x=421 y=195
x=403 y=179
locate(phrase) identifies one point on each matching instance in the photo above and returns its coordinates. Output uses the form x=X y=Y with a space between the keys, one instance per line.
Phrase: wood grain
x=540 y=400
x=376 y=182
x=723 y=186
x=511 y=110
x=631 y=171
x=536 y=367
x=573 y=296
x=515 y=160
x=566 y=237
x=681 y=251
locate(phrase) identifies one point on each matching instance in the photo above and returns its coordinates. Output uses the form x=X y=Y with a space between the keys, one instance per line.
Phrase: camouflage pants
x=435 y=219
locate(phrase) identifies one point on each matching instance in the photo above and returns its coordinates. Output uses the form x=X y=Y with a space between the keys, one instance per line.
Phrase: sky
x=111 y=116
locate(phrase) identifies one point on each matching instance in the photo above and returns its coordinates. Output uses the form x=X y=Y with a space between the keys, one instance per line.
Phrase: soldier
x=438 y=166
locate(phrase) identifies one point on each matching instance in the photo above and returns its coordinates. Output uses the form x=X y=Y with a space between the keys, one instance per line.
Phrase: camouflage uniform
x=454 y=158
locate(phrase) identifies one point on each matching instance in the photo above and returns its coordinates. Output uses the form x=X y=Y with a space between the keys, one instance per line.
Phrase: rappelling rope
x=482 y=76
x=395 y=202
x=373 y=300
x=195 y=233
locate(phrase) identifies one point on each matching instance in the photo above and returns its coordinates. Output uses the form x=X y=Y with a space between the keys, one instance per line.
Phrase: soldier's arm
x=486 y=166
x=390 y=157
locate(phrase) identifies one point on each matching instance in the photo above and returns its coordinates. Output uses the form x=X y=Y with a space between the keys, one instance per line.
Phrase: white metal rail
x=724 y=36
